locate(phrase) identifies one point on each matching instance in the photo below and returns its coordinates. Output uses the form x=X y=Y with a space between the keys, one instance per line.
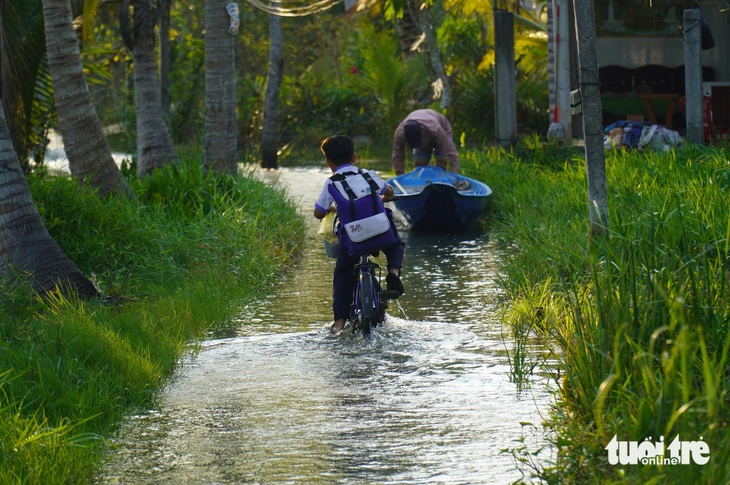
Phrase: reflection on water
x=273 y=398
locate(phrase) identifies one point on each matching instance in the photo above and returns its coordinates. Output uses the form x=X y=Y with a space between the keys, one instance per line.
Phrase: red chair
x=707 y=113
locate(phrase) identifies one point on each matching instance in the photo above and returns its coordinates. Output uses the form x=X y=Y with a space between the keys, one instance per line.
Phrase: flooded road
x=272 y=397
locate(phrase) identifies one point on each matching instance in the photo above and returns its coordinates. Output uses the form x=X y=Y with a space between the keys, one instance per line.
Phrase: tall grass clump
x=638 y=319
x=185 y=256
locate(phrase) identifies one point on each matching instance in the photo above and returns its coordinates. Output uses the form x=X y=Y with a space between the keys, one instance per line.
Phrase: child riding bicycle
x=366 y=226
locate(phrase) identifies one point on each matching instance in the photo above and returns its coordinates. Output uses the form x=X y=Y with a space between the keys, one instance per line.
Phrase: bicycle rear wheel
x=367 y=301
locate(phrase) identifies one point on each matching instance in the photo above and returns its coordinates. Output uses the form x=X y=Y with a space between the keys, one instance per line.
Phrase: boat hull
x=429 y=198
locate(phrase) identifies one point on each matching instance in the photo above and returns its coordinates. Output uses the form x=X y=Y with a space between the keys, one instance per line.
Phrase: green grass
x=638 y=320
x=185 y=257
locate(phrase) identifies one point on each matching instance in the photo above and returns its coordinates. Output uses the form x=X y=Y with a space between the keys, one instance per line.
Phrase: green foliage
x=532 y=96
x=124 y=242
x=108 y=237
x=383 y=74
x=27 y=94
x=467 y=50
x=331 y=110
x=319 y=96
x=366 y=91
x=638 y=321
x=17 y=301
x=187 y=256
x=472 y=111
x=343 y=74
x=34 y=450
x=465 y=43
x=250 y=95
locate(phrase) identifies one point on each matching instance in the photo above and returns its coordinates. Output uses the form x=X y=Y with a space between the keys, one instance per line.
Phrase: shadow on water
x=272 y=397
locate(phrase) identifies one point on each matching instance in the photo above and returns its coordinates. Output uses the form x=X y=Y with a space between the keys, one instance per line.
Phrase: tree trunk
x=164 y=35
x=89 y=156
x=410 y=35
x=592 y=116
x=25 y=244
x=442 y=85
x=220 y=91
x=273 y=84
x=414 y=27
x=154 y=146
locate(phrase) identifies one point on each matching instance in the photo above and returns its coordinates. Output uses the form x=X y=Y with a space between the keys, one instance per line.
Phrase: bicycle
x=369 y=300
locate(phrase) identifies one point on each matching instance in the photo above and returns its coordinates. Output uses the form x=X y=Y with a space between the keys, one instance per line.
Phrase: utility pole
x=693 y=75
x=590 y=94
x=562 y=13
x=505 y=103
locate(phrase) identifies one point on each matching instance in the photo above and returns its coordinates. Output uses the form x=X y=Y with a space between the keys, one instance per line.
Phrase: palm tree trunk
x=273 y=85
x=164 y=34
x=220 y=148
x=154 y=146
x=414 y=27
x=25 y=244
x=442 y=85
x=88 y=152
x=410 y=35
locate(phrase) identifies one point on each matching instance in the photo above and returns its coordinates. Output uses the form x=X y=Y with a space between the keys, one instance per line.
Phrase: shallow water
x=272 y=397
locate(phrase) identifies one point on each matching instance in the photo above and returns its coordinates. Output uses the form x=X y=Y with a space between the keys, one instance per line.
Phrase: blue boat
x=430 y=198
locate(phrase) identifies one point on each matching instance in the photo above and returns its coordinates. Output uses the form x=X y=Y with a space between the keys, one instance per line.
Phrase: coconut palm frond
x=530 y=23
x=42 y=113
x=23 y=50
x=384 y=74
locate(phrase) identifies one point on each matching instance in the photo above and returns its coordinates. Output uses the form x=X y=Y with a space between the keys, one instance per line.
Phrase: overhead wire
x=279 y=8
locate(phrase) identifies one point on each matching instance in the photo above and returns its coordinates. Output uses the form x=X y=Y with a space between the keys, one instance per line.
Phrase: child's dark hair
x=338 y=149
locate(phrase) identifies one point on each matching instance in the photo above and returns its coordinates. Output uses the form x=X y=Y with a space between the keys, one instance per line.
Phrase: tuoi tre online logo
x=656 y=453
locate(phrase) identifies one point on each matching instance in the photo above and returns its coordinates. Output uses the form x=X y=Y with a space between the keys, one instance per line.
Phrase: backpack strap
x=373 y=189
x=341 y=177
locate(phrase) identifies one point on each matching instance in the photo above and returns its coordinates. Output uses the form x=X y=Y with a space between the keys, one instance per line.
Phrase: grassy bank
x=637 y=321
x=182 y=259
